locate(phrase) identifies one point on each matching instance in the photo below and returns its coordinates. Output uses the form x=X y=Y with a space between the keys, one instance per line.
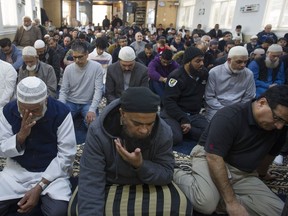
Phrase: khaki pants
x=198 y=186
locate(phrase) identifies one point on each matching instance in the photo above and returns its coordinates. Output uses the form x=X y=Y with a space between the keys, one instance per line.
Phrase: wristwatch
x=42 y=185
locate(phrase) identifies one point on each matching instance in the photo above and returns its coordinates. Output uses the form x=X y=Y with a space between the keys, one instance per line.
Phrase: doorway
x=99 y=12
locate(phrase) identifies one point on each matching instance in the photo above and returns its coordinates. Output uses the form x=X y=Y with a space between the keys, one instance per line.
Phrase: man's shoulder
x=140 y=67
x=177 y=73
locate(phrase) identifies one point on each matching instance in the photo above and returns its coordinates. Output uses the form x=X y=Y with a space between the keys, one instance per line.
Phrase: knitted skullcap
x=190 y=53
x=254 y=37
x=127 y=54
x=29 y=51
x=39 y=44
x=31 y=90
x=275 y=48
x=237 y=51
x=139 y=100
x=259 y=51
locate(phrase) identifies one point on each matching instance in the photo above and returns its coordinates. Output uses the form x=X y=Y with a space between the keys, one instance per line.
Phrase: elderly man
x=34 y=67
x=82 y=84
x=27 y=34
x=183 y=97
x=8 y=77
x=138 y=45
x=252 y=44
x=124 y=74
x=234 y=151
x=37 y=137
x=129 y=144
x=10 y=53
x=49 y=56
x=268 y=70
x=158 y=69
x=229 y=83
x=266 y=33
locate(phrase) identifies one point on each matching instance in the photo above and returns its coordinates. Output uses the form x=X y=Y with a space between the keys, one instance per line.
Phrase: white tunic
x=15 y=181
x=8 y=77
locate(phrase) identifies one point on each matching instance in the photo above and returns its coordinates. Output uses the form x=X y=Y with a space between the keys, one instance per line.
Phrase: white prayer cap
x=258 y=51
x=237 y=51
x=60 y=33
x=275 y=48
x=127 y=54
x=254 y=37
x=29 y=51
x=46 y=36
x=39 y=44
x=31 y=90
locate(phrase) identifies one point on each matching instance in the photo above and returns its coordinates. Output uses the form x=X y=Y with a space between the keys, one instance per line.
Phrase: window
x=185 y=14
x=222 y=12
x=9 y=12
x=276 y=14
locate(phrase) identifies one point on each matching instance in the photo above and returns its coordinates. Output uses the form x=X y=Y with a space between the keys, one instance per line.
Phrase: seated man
x=10 y=53
x=101 y=56
x=27 y=33
x=158 y=70
x=268 y=70
x=37 y=137
x=8 y=78
x=82 y=84
x=49 y=56
x=128 y=144
x=146 y=56
x=234 y=151
x=124 y=73
x=183 y=97
x=229 y=83
x=33 y=67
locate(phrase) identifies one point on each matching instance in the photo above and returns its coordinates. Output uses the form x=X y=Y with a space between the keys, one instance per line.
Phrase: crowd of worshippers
x=195 y=75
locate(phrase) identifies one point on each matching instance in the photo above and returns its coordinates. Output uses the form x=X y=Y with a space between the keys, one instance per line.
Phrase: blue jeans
x=79 y=109
x=157 y=87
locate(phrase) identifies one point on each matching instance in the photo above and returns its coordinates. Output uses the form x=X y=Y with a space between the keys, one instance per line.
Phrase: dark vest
x=41 y=144
x=263 y=70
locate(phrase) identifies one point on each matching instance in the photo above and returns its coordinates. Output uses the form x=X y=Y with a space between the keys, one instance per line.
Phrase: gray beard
x=270 y=64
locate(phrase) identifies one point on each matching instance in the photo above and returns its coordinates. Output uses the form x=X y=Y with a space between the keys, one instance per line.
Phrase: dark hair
x=167 y=54
x=82 y=36
x=148 y=46
x=101 y=43
x=226 y=33
x=5 y=42
x=79 y=46
x=276 y=95
x=238 y=27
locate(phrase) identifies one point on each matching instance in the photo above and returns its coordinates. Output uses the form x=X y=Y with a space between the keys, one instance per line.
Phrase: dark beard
x=195 y=73
x=131 y=143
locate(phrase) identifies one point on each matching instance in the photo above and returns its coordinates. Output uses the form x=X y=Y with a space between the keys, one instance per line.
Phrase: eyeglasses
x=278 y=118
x=78 y=57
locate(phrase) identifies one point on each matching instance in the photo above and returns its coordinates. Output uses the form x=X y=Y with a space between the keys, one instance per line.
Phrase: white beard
x=27 y=28
x=270 y=64
x=32 y=68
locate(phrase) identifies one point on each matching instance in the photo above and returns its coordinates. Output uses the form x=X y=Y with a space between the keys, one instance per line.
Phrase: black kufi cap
x=190 y=53
x=139 y=100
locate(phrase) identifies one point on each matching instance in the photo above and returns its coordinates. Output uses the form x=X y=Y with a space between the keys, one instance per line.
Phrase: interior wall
x=53 y=10
x=166 y=14
x=251 y=22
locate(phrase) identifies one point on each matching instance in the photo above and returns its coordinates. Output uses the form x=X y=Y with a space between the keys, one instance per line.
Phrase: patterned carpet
x=278 y=186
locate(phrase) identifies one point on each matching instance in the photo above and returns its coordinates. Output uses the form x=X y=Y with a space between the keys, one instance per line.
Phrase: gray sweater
x=101 y=164
x=82 y=85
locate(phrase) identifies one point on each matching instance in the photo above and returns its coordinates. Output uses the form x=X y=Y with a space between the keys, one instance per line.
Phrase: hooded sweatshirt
x=101 y=165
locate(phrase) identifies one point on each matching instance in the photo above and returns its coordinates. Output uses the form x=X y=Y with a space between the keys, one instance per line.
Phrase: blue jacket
x=16 y=57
